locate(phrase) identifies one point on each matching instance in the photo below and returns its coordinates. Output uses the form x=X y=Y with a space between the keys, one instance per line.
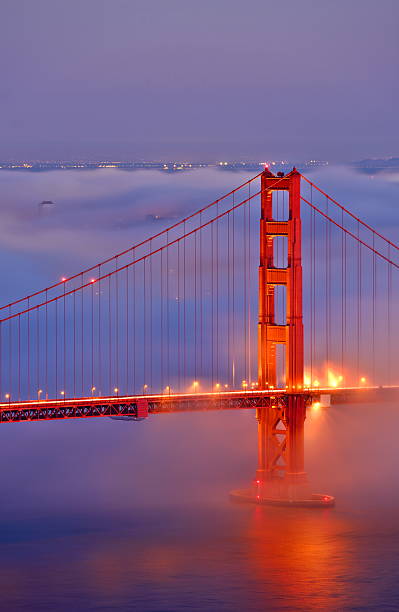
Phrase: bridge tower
x=280 y=470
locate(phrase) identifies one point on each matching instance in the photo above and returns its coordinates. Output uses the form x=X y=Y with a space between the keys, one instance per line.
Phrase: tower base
x=315 y=500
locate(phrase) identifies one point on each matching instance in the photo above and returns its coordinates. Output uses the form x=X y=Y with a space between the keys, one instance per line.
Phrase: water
x=106 y=515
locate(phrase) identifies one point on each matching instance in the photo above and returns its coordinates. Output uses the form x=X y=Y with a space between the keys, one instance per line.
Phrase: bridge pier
x=280 y=476
x=281 y=470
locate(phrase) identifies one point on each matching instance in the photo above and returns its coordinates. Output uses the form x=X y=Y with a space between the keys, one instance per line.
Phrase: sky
x=145 y=79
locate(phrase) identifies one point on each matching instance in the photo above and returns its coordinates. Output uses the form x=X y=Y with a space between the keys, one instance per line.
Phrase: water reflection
x=224 y=558
x=155 y=529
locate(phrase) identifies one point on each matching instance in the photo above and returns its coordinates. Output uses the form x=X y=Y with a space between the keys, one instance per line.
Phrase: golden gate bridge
x=268 y=298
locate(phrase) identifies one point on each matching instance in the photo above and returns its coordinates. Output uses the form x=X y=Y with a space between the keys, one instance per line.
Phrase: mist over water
x=103 y=514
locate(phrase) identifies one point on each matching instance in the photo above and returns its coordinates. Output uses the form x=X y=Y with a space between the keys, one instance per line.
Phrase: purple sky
x=134 y=79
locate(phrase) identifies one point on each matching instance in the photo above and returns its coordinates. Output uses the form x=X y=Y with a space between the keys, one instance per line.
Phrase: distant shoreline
x=370 y=166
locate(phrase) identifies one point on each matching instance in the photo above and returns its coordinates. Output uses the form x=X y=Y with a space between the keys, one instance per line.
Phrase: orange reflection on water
x=298 y=555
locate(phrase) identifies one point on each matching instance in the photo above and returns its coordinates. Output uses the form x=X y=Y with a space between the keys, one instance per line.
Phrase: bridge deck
x=142 y=405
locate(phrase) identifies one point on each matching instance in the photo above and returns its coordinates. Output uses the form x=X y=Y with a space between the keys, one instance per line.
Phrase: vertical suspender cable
x=167 y=313
x=162 y=325
x=311 y=266
x=374 y=280
x=74 y=344
x=10 y=323
x=117 y=324
x=151 y=382
x=109 y=338
x=326 y=293
x=344 y=302
x=233 y=365
x=56 y=349
x=19 y=358
x=245 y=295
x=358 y=302
x=92 y=337
x=145 y=320
x=342 y=293
x=134 y=321
x=28 y=394
x=178 y=319
x=99 y=336
x=195 y=309
x=184 y=307
x=228 y=298
x=64 y=334
x=217 y=291
x=201 y=313
x=127 y=386
x=389 y=336
x=249 y=286
x=82 y=335
x=314 y=290
x=212 y=308
x=46 y=347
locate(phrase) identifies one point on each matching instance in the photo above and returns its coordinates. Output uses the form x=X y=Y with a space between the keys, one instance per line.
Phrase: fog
x=103 y=465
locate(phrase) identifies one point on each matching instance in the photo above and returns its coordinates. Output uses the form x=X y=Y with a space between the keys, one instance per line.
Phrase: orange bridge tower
x=280 y=477
x=281 y=424
x=281 y=473
x=289 y=334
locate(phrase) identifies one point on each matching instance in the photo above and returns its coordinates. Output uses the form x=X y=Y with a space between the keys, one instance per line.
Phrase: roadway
x=141 y=406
